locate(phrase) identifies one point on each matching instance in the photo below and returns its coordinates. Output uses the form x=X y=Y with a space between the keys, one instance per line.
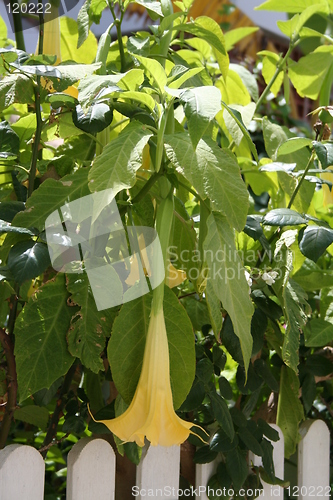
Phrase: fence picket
x=203 y=472
x=273 y=491
x=22 y=473
x=91 y=470
x=158 y=469
x=314 y=460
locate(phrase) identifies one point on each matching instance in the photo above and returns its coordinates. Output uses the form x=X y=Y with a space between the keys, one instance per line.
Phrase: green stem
x=142 y=193
x=20 y=45
x=39 y=125
x=299 y=184
x=52 y=429
x=117 y=23
x=279 y=68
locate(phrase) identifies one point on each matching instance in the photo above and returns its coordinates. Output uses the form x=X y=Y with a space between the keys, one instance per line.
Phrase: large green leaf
x=34 y=415
x=27 y=260
x=115 y=168
x=213 y=172
x=222 y=414
x=308 y=74
x=89 y=327
x=15 y=88
x=209 y=30
x=283 y=217
x=201 y=104
x=314 y=240
x=237 y=466
x=51 y=195
x=155 y=69
x=126 y=347
x=237 y=118
x=290 y=410
x=311 y=277
x=318 y=333
x=228 y=279
x=40 y=338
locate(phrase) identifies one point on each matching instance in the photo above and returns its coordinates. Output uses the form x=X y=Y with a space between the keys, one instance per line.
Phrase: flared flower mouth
x=151 y=413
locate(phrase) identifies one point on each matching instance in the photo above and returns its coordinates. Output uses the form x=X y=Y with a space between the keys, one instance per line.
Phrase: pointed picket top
x=158 y=471
x=22 y=472
x=91 y=470
x=314 y=460
x=272 y=491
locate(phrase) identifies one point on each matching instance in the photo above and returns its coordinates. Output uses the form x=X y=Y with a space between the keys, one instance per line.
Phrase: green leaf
x=292 y=27
x=34 y=415
x=294 y=144
x=290 y=411
x=237 y=117
x=8 y=209
x=314 y=240
x=269 y=64
x=247 y=78
x=283 y=217
x=42 y=356
x=309 y=391
x=220 y=442
x=140 y=97
x=292 y=6
x=61 y=100
x=204 y=370
x=180 y=74
x=262 y=369
x=204 y=455
x=197 y=311
x=228 y=279
x=89 y=327
x=250 y=441
x=213 y=172
x=222 y=414
x=267 y=430
x=9 y=140
x=311 y=277
x=115 y=168
x=83 y=23
x=50 y=196
x=225 y=388
x=201 y=105
x=318 y=333
x=244 y=115
x=126 y=347
x=155 y=69
x=151 y=5
x=209 y=30
x=308 y=74
x=295 y=310
x=324 y=153
x=5 y=227
x=235 y=35
x=15 y=88
x=195 y=396
x=319 y=365
x=237 y=467
x=94 y=119
x=27 y=260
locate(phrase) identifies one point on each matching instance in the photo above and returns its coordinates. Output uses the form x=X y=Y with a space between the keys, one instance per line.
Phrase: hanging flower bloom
x=51 y=46
x=151 y=413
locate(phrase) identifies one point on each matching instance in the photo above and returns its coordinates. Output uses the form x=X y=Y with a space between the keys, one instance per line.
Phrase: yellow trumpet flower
x=327 y=192
x=151 y=413
x=51 y=46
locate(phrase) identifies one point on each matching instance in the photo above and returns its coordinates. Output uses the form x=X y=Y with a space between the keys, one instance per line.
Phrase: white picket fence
x=92 y=467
